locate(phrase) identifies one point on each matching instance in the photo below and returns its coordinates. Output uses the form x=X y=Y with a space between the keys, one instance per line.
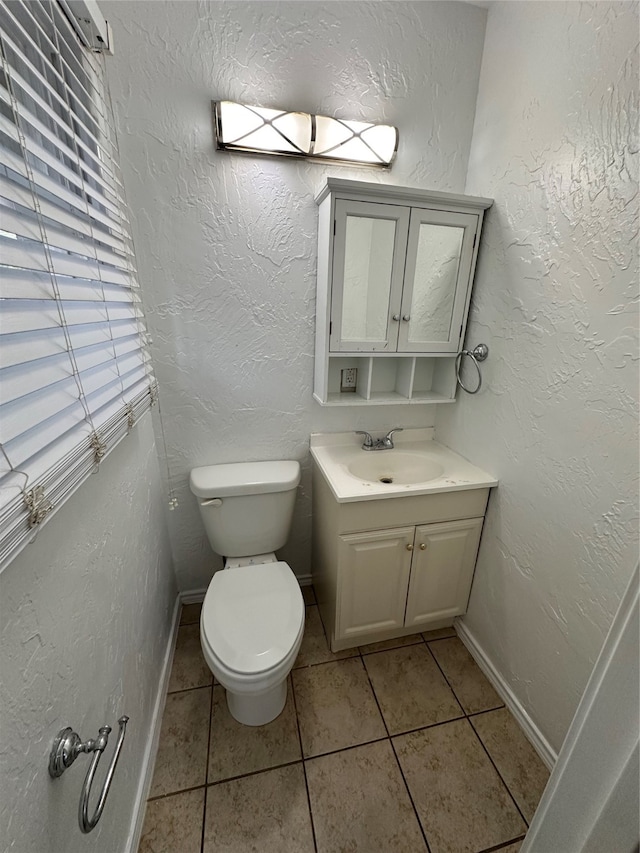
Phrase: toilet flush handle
x=212 y=502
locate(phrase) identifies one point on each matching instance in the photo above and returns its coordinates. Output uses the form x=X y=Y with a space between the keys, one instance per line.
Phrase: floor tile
x=410 y=689
x=264 y=813
x=512 y=848
x=359 y=802
x=308 y=594
x=336 y=707
x=517 y=761
x=439 y=634
x=181 y=761
x=190 y=613
x=461 y=801
x=314 y=648
x=189 y=666
x=236 y=749
x=174 y=823
x=465 y=676
x=382 y=646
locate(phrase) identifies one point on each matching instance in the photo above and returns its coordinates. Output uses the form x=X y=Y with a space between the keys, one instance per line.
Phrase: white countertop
x=334 y=452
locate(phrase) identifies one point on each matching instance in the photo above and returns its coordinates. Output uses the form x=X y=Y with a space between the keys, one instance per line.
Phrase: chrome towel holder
x=477 y=354
x=67 y=746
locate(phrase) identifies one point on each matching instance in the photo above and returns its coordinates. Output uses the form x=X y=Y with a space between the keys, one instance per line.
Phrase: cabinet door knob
x=423 y=546
x=409 y=546
x=395 y=317
x=406 y=318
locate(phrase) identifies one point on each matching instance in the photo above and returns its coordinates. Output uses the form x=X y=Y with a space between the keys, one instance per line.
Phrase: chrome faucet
x=385 y=443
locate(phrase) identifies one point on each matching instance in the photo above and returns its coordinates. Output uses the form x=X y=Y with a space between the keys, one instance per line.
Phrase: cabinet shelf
x=395 y=269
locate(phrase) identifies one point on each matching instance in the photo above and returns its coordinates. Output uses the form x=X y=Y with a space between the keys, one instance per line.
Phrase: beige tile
x=174 y=823
x=336 y=707
x=264 y=813
x=410 y=689
x=308 y=594
x=512 y=848
x=382 y=646
x=181 y=761
x=314 y=648
x=236 y=749
x=461 y=801
x=189 y=666
x=517 y=761
x=465 y=676
x=190 y=613
x=359 y=802
x=439 y=634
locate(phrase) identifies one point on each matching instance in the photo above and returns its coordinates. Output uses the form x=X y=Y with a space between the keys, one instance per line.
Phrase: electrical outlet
x=348 y=379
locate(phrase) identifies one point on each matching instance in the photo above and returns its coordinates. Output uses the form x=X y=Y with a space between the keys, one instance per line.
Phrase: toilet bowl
x=251 y=629
x=252 y=619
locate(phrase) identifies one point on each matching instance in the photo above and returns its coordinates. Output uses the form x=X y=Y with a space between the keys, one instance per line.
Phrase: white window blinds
x=74 y=368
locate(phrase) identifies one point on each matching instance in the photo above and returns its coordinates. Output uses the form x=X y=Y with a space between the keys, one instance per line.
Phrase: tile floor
x=394 y=747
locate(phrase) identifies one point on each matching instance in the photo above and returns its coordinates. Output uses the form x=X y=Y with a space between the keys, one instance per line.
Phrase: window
x=75 y=373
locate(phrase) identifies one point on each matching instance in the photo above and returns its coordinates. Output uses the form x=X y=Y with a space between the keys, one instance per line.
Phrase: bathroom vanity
x=395 y=273
x=395 y=535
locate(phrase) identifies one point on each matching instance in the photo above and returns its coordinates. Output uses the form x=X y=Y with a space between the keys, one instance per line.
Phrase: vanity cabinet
x=390 y=567
x=395 y=269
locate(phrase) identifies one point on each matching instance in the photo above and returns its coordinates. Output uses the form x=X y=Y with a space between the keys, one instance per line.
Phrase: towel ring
x=476 y=355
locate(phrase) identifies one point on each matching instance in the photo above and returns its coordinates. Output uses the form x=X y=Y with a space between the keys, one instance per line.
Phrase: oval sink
x=395 y=467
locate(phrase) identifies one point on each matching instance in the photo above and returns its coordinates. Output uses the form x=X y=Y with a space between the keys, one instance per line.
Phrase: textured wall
x=556 y=300
x=226 y=244
x=85 y=613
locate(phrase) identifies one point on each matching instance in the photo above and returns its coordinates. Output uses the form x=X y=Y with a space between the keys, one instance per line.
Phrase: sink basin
x=391 y=467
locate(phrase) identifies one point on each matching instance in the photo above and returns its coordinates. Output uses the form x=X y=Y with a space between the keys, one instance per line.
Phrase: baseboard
x=502 y=687
x=193 y=596
x=305 y=580
x=149 y=761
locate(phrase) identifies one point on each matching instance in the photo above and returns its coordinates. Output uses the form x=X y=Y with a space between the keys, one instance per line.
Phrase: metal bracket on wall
x=67 y=746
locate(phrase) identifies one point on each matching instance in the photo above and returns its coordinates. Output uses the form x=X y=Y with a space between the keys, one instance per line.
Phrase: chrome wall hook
x=478 y=354
x=67 y=746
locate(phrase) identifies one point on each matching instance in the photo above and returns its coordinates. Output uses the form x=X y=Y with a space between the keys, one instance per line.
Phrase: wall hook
x=67 y=746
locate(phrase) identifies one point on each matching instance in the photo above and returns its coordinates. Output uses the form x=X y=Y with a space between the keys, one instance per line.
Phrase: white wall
x=226 y=244
x=85 y=613
x=555 y=299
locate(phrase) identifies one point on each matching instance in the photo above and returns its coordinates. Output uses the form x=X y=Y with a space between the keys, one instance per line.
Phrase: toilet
x=253 y=613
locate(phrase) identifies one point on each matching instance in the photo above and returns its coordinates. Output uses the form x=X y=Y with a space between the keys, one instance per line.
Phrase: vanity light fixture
x=259 y=130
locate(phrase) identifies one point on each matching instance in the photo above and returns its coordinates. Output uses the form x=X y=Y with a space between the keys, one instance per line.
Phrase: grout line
x=304 y=766
x=455 y=695
x=526 y=822
x=174 y=793
x=188 y=689
x=390 y=649
x=206 y=775
x=415 y=810
x=428 y=726
x=253 y=773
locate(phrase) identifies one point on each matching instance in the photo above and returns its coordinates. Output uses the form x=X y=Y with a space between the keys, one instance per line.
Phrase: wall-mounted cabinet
x=395 y=269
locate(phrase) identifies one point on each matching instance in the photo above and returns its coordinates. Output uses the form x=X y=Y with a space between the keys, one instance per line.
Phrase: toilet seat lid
x=252 y=615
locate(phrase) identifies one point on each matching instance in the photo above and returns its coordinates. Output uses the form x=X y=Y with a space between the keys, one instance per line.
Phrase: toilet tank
x=246 y=507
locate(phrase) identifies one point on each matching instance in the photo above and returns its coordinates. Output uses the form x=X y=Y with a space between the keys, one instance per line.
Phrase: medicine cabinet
x=395 y=270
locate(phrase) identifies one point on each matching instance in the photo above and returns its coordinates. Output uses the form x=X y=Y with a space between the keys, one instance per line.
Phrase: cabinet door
x=437 y=280
x=374 y=573
x=368 y=265
x=442 y=570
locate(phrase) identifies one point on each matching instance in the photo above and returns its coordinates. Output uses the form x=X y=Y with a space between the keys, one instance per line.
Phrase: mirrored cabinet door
x=437 y=275
x=368 y=267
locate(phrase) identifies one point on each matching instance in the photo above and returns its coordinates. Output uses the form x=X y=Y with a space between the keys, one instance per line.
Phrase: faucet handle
x=368 y=441
x=387 y=441
x=391 y=432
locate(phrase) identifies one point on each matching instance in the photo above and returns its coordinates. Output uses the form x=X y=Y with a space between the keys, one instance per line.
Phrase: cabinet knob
x=396 y=317
x=409 y=547
x=423 y=546
x=406 y=318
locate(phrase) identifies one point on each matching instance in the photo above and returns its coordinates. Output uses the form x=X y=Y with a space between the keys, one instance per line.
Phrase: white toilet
x=253 y=613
